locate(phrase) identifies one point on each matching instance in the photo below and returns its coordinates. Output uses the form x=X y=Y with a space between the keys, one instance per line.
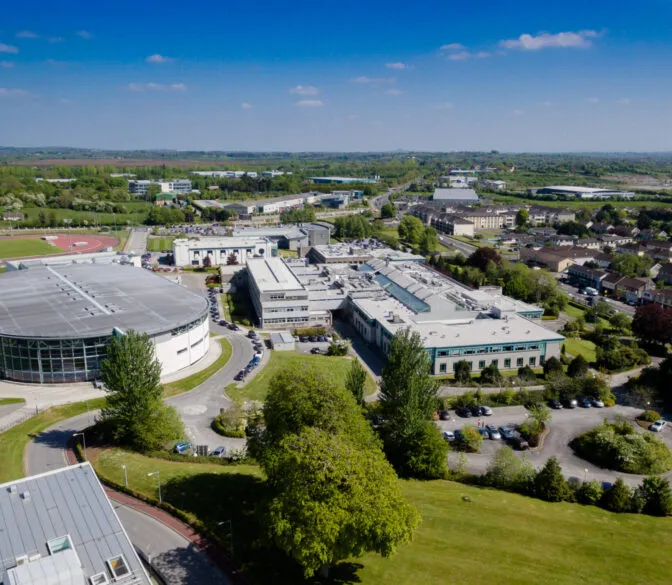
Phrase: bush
x=578 y=367
x=550 y=484
x=552 y=366
x=618 y=446
x=618 y=498
x=230 y=423
x=590 y=493
x=337 y=349
x=656 y=496
x=526 y=374
x=423 y=455
x=509 y=472
x=470 y=442
x=649 y=416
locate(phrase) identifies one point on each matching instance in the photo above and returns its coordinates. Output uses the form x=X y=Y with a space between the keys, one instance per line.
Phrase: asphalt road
x=573 y=292
x=564 y=426
x=137 y=241
x=465 y=249
x=174 y=555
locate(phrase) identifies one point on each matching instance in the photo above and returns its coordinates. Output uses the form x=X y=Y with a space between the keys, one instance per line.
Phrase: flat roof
x=203 y=243
x=584 y=189
x=88 y=300
x=455 y=194
x=272 y=274
x=65 y=502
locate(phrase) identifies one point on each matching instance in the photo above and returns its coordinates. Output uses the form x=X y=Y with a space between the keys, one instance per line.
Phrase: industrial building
x=56 y=320
x=59 y=528
x=342 y=180
x=225 y=174
x=177 y=186
x=455 y=196
x=290 y=237
x=194 y=251
x=359 y=252
x=380 y=297
x=584 y=192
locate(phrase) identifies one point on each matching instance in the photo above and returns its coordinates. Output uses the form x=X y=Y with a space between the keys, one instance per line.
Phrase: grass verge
x=6 y=401
x=189 y=383
x=13 y=442
x=562 y=543
x=331 y=367
x=159 y=244
x=26 y=247
x=577 y=347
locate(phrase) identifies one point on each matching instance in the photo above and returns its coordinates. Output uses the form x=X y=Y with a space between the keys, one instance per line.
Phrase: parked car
x=234 y=327
x=315 y=350
x=518 y=443
x=570 y=403
x=223 y=322
x=486 y=411
x=463 y=412
x=493 y=433
x=597 y=403
x=585 y=403
x=556 y=404
x=182 y=447
x=484 y=433
x=219 y=452
x=313 y=339
x=459 y=436
x=304 y=338
x=239 y=376
x=329 y=338
x=449 y=436
x=658 y=426
x=252 y=334
x=444 y=415
x=321 y=338
x=507 y=432
x=475 y=410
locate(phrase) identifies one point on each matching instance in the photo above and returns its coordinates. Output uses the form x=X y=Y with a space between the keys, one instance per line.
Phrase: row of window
x=286 y=309
x=520 y=362
x=287 y=320
x=490 y=349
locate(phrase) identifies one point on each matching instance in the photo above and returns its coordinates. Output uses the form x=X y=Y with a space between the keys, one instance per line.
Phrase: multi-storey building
x=194 y=251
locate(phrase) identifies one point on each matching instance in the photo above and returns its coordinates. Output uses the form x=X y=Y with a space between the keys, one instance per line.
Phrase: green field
x=467 y=536
x=576 y=347
x=574 y=204
x=159 y=244
x=189 y=383
x=7 y=401
x=26 y=247
x=137 y=213
x=332 y=367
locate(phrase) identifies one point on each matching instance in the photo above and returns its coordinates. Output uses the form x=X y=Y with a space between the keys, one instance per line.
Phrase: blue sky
x=328 y=76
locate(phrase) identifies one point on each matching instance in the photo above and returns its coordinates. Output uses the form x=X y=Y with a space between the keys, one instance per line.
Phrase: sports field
x=26 y=247
x=159 y=244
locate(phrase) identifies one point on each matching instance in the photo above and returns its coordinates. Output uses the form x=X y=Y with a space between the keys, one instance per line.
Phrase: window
x=507 y=363
x=118 y=566
x=99 y=579
x=196 y=343
x=56 y=545
x=495 y=363
x=443 y=353
x=519 y=362
x=181 y=351
x=442 y=368
x=533 y=361
x=508 y=348
x=481 y=364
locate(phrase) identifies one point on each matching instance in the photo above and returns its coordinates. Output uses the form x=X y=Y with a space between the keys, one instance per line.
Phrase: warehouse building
x=289 y=237
x=56 y=321
x=221 y=251
x=455 y=196
x=584 y=192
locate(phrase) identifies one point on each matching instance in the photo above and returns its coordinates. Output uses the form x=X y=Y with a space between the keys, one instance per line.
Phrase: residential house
x=662 y=297
x=612 y=240
x=591 y=243
x=599 y=228
x=452 y=225
x=556 y=259
x=632 y=289
x=665 y=273
x=539 y=215
x=584 y=277
x=603 y=260
x=563 y=240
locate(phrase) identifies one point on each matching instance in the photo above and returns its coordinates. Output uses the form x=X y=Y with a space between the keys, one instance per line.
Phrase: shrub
x=656 y=495
x=550 y=484
x=509 y=472
x=578 y=367
x=649 y=416
x=590 y=493
x=618 y=498
x=337 y=349
x=471 y=440
x=526 y=373
x=552 y=366
x=230 y=423
x=618 y=446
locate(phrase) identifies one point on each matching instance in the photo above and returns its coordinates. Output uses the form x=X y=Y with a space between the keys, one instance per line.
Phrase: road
x=137 y=241
x=463 y=248
x=573 y=293
x=175 y=556
x=381 y=200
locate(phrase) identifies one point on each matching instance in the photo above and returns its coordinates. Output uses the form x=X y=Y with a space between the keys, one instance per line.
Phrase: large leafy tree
x=410 y=229
x=429 y=241
x=652 y=323
x=656 y=495
x=482 y=256
x=388 y=210
x=355 y=380
x=135 y=413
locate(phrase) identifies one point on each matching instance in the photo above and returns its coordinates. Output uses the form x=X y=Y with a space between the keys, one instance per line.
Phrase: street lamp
x=83 y=441
x=230 y=525
x=125 y=476
x=158 y=478
x=585 y=475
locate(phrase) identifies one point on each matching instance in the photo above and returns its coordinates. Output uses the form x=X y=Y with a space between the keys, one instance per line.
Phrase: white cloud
x=593 y=100
x=445 y=106
x=482 y=55
x=623 y=102
x=246 y=106
x=526 y=42
x=6 y=92
x=453 y=47
x=26 y=34
x=157 y=87
x=156 y=58
x=461 y=56
x=6 y=64
x=56 y=39
x=396 y=65
x=305 y=90
x=8 y=49
x=84 y=34
x=310 y=103
x=373 y=80
x=394 y=91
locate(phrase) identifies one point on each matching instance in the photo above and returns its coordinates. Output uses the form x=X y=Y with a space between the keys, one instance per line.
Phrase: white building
x=225 y=174
x=493 y=185
x=584 y=192
x=178 y=186
x=193 y=251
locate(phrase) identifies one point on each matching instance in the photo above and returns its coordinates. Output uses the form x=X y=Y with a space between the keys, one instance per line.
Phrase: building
x=13 y=216
x=56 y=320
x=556 y=258
x=262 y=206
x=40 y=179
x=662 y=297
x=452 y=225
x=586 y=277
x=359 y=253
x=489 y=218
x=165 y=199
x=290 y=237
x=455 y=196
x=584 y=192
x=342 y=180
x=225 y=174
x=493 y=185
x=456 y=181
x=665 y=273
x=282 y=341
x=273 y=174
x=59 y=528
x=194 y=251
x=177 y=186
x=538 y=215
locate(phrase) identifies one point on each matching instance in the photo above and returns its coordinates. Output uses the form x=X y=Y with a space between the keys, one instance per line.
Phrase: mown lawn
x=331 y=367
x=26 y=247
x=582 y=347
x=574 y=312
x=189 y=383
x=159 y=244
x=6 y=401
x=468 y=535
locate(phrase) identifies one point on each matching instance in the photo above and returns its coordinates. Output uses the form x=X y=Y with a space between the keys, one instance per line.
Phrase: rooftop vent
x=26 y=496
x=12 y=489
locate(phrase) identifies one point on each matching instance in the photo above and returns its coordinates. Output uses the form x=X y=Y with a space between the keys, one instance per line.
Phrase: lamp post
x=158 y=478
x=230 y=525
x=83 y=441
x=125 y=476
x=585 y=475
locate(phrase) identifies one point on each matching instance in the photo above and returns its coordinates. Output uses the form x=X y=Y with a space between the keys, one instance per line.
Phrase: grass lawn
x=159 y=244
x=574 y=204
x=13 y=442
x=189 y=383
x=332 y=367
x=582 y=347
x=236 y=308
x=26 y=247
x=136 y=214
x=6 y=401
x=574 y=312
x=495 y=537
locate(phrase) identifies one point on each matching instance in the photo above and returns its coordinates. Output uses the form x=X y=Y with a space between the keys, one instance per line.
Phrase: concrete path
x=137 y=241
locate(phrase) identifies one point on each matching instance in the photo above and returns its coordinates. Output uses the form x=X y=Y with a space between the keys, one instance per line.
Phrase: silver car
x=658 y=426
x=493 y=433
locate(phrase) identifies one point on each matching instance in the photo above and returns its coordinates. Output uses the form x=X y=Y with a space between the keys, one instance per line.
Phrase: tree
x=656 y=495
x=491 y=375
x=410 y=229
x=618 y=498
x=355 y=380
x=388 y=210
x=590 y=493
x=135 y=412
x=526 y=373
x=207 y=261
x=652 y=323
x=480 y=258
x=578 y=367
x=463 y=372
x=232 y=259
x=522 y=217
x=621 y=322
x=332 y=501
x=572 y=228
x=631 y=265
x=550 y=484
x=429 y=241
x=508 y=472
x=552 y=366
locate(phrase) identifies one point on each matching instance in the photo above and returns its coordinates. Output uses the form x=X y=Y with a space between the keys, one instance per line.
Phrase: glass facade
x=51 y=361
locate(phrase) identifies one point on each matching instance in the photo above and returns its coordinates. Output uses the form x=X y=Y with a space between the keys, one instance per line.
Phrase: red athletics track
x=66 y=242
